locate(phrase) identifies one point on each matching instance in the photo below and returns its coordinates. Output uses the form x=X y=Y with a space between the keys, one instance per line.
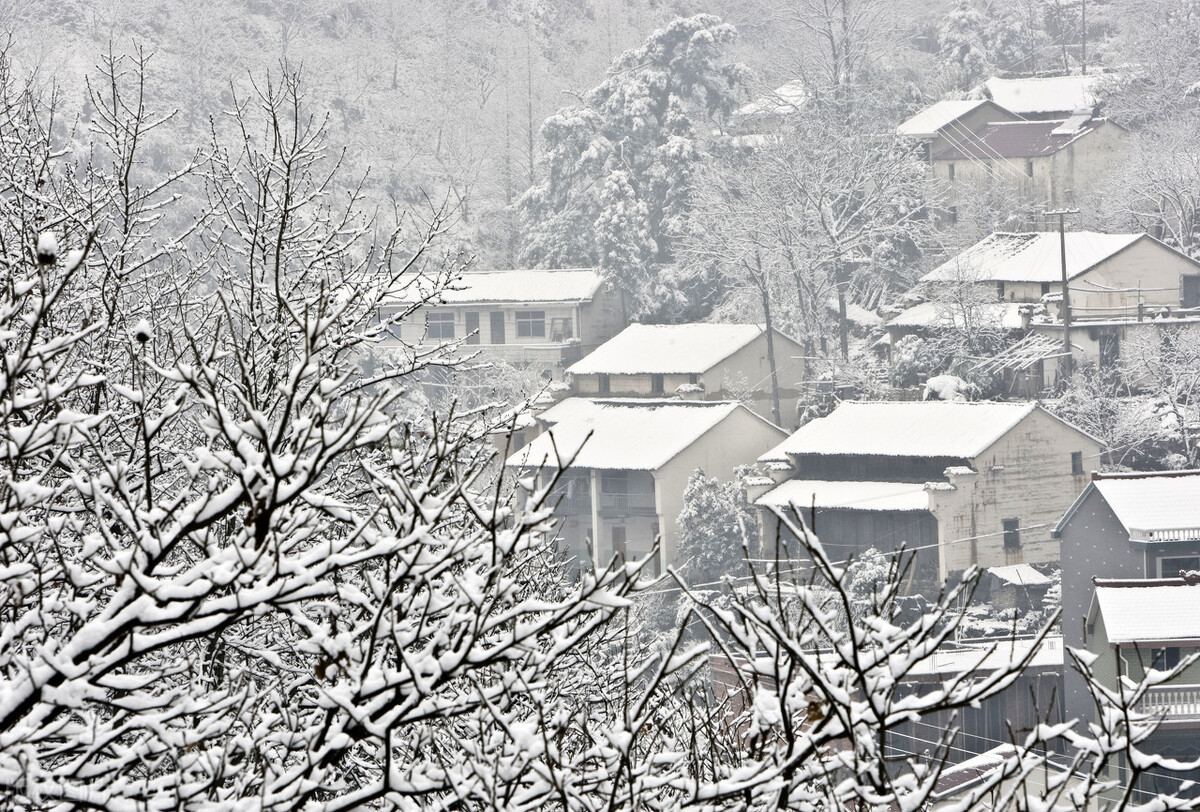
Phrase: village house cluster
x=1005 y=486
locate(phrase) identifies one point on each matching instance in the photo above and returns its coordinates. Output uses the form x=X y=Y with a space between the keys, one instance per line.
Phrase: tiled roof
x=1159 y=610
x=1155 y=507
x=909 y=428
x=890 y=496
x=527 y=285
x=1016 y=139
x=1039 y=96
x=1031 y=257
x=667 y=349
x=929 y=121
x=622 y=435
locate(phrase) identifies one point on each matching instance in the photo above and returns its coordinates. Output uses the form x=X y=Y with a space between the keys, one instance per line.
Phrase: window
x=603 y=384
x=439 y=325
x=1012 y=534
x=1171 y=567
x=656 y=384
x=1029 y=167
x=1077 y=463
x=693 y=378
x=1000 y=290
x=950 y=171
x=531 y=324
x=1045 y=288
x=1190 y=295
x=1164 y=658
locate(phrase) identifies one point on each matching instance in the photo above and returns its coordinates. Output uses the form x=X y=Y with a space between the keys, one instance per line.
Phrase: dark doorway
x=497 y=327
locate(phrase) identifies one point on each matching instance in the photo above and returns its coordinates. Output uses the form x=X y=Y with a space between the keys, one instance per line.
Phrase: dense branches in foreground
x=238 y=575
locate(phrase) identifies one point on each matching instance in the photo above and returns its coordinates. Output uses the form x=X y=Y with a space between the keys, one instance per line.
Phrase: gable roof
x=527 y=285
x=667 y=349
x=1152 y=507
x=1032 y=256
x=906 y=428
x=1040 y=96
x=623 y=435
x=1159 y=610
x=928 y=122
x=1018 y=139
x=785 y=100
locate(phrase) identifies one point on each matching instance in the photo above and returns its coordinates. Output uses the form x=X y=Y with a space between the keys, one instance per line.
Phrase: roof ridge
x=1135 y=583
x=1099 y=475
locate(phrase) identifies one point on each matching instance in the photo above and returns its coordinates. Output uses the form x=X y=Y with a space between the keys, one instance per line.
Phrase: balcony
x=561 y=354
x=628 y=504
x=1176 y=704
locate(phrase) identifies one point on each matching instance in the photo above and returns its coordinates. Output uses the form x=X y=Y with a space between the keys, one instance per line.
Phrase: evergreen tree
x=615 y=189
x=713 y=525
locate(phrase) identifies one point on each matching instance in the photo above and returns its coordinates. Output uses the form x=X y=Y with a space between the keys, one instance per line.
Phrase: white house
x=547 y=318
x=697 y=362
x=625 y=465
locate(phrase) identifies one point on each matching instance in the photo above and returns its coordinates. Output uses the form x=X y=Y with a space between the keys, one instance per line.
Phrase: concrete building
x=625 y=465
x=1123 y=526
x=543 y=318
x=1045 y=163
x=696 y=362
x=964 y=484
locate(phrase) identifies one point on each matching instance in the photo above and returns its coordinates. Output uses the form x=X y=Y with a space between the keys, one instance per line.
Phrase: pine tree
x=615 y=190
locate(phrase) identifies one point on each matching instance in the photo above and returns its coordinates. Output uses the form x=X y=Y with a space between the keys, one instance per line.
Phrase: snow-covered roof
x=1020 y=575
x=1031 y=257
x=1005 y=315
x=990 y=655
x=909 y=428
x=855 y=495
x=1154 y=507
x=1041 y=96
x=667 y=349
x=785 y=100
x=528 y=286
x=1157 y=610
x=926 y=123
x=630 y=435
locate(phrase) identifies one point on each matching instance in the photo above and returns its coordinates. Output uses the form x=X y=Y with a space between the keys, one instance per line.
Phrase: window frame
x=531 y=324
x=1012 y=533
x=437 y=322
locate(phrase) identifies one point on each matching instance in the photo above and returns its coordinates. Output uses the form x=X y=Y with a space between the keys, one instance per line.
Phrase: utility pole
x=1061 y=214
x=1083 y=38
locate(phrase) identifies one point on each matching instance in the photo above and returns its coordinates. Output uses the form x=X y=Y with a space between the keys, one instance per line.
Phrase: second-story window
x=439 y=325
x=1077 y=463
x=531 y=324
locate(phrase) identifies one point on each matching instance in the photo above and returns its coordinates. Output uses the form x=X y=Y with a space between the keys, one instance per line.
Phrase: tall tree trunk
x=760 y=278
x=843 y=323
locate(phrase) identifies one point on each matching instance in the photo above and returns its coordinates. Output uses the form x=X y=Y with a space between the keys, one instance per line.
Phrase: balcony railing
x=570 y=504
x=1175 y=703
x=627 y=503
